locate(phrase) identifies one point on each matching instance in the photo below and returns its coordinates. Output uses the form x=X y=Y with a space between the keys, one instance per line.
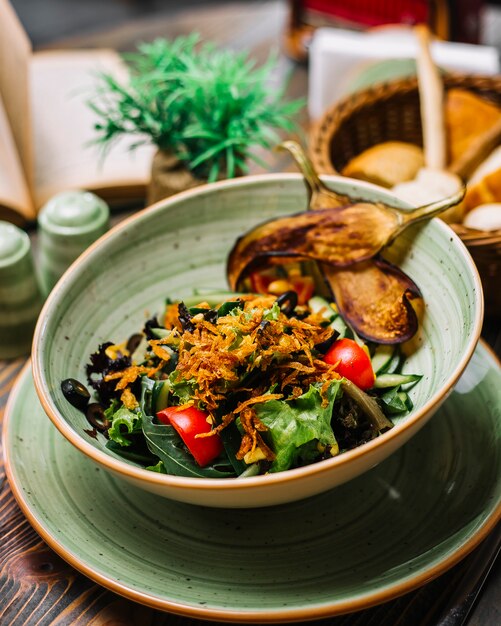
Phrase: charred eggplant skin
x=338 y=232
x=375 y=298
x=339 y=236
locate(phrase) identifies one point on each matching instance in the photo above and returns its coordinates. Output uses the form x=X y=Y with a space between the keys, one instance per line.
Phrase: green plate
x=367 y=541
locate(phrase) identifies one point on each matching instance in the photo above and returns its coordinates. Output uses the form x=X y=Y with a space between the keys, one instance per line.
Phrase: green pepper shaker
x=20 y=297
x=68 y=224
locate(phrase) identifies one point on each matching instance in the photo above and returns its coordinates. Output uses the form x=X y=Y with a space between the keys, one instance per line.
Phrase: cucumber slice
x=212 y=298
x=252 y=470
x=357 y=339
x=384 y=381
x=395 y=364
x=194 y=310
x=382 y=357
x=320 y=305
x=160 y=394
x=160 y=333
x=340 y=325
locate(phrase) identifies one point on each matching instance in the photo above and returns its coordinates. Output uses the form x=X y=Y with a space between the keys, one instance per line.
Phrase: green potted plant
x=206 y=109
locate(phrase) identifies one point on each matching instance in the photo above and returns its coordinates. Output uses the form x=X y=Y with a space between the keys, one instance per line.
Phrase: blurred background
x=49 y=20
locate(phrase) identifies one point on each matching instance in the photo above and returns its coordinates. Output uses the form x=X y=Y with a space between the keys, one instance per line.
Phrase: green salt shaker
x=68 y=224
x=20 y=297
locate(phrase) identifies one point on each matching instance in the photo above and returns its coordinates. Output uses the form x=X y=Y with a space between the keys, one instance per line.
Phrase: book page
x=15 y=54
x=15 y=201
x=61 y=84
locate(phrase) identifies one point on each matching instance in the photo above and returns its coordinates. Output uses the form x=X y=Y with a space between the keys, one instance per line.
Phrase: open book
x=47 y=129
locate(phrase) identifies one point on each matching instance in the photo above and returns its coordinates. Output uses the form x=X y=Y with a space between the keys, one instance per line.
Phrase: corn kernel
x=254 y=455
x=279 y=286
x=117 y=350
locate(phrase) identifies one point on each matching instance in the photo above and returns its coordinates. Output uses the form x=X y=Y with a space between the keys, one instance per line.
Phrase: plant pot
x=169 y=176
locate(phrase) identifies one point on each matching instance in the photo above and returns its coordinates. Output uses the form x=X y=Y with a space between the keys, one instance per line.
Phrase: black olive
x=262 y=326
x=287 y=302
x=76 y=393
x=151 y=323
x=325 y=345
x=95 y=416
x=133 y=342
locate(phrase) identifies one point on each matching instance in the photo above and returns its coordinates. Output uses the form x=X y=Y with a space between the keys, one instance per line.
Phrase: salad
x=242 y=384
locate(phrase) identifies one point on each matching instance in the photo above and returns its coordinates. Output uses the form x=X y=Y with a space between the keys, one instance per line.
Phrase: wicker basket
x=391 y=112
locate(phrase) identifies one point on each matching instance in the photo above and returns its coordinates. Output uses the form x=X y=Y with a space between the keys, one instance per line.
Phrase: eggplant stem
x=320 y=196
x=429 y=210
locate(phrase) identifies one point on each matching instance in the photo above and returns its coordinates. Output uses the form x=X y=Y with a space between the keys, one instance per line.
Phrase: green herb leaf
x=210 y=107
x=294 y=423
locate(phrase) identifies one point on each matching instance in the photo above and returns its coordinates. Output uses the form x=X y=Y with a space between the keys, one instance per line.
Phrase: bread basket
x=391 y=111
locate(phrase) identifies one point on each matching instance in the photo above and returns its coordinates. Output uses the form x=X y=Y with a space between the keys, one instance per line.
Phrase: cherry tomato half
x=189 y=422
x=353 y=362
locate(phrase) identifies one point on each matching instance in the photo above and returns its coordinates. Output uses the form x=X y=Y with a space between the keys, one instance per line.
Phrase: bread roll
x=467 y=116
x=386 y=164
x=484 y=217
x=429 y=186
x=484 y=186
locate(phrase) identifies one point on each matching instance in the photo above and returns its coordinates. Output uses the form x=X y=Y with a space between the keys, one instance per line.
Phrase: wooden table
x=37 y=587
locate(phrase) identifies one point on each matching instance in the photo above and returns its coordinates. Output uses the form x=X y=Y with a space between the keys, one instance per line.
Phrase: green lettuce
x=297 y=426
x=183 y=389
x=272 y=314
x=124 y=423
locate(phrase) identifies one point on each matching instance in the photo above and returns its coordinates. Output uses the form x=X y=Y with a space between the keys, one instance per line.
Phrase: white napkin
x=338 y=57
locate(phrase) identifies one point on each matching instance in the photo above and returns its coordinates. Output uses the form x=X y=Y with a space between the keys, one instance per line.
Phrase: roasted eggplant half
x=375 y=298
x=343 y=238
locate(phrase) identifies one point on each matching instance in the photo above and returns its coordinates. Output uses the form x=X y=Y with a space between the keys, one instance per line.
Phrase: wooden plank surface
x=36 y=586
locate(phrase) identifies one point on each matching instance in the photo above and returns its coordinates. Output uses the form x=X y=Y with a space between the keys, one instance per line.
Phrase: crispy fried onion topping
x=129 y=376
x=247 y=353
x=254 y=354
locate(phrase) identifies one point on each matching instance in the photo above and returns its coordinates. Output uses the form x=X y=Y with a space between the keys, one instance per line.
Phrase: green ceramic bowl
x=181 y=244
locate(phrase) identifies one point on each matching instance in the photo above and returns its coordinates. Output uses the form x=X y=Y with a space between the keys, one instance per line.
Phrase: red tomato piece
x=190 y=422
x=353 y=362
x=304 y=286
x=260 y=281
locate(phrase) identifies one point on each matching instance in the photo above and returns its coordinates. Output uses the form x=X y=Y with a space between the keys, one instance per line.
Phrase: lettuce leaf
x=181 y=388
x=296 y=426
x=124 y=423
